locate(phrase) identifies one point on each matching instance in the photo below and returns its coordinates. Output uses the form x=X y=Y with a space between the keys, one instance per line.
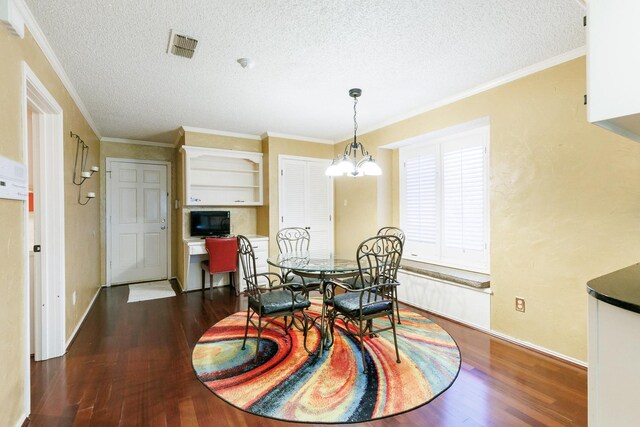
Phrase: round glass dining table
x=321 y=266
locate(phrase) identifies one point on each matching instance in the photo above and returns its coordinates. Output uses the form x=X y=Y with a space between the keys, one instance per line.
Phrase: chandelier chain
x=355 y=121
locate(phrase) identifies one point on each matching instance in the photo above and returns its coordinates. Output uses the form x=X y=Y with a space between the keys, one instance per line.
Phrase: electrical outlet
x=520 y=304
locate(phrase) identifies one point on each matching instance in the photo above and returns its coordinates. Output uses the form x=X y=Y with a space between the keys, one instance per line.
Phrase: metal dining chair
x=272 y=300
x=378 y=257
x=395 y=231
x=355 y=282
x=295 y=240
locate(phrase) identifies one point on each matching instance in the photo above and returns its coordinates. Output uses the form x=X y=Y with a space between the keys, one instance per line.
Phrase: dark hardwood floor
x=130 y=365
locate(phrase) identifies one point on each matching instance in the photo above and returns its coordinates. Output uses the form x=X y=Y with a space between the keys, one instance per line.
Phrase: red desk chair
x=223 y=258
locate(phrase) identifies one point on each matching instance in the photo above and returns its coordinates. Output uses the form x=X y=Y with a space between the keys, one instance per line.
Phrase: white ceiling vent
x=181 y=45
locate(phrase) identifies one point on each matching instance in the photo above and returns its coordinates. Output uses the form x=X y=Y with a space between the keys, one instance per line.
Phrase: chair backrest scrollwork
x=379 y=259
x=293 y=239
x=248 y=261
x=392 y=231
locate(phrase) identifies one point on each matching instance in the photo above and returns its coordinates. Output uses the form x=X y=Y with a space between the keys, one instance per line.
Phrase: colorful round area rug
x=288 y=384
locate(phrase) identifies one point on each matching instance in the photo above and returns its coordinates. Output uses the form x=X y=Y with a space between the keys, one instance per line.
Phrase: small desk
x=195 y=252
x=317 y=266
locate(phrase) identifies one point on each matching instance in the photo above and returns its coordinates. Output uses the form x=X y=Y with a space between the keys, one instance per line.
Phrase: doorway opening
x=44 y=264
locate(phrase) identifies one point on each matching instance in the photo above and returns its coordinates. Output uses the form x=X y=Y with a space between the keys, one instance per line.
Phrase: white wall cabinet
x=613 y=65
x=215 y=177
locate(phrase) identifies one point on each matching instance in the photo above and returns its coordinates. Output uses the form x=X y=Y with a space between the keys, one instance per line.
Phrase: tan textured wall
x=277 y=147
x=262 y=212
x=81 y=222
x=564 y=201
x=177 y=247
x=138 y=152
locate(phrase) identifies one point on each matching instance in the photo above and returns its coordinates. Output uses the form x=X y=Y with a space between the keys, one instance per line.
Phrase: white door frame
x=109 y=161
x=49 y=293
x=282 y=157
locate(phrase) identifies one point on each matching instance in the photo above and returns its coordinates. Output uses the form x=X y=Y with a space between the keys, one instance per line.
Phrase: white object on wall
x=13 y=180
x=215 y=177
x=613 y=66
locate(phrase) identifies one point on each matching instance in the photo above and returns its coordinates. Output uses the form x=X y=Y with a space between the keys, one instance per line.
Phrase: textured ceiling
x=404 y=54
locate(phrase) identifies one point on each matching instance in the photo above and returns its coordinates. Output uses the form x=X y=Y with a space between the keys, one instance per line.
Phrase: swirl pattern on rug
x=287 y=384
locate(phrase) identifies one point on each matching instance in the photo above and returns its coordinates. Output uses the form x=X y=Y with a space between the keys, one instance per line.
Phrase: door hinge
x=585 y=99
x=281 y=172
x=584 y=21
x=281 y=219
x=329 y=217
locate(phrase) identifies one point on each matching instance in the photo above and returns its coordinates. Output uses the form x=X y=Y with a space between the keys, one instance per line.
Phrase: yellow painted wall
x=137 y=152
x=564 y=201
x=82 y=235
x=268 y=214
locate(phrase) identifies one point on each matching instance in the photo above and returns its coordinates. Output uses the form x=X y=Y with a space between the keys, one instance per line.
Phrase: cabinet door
x=306 y=200
x=613 y=65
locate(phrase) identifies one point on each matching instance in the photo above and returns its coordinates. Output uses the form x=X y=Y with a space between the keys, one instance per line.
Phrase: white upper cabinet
x=214 y=177
x=613 y=65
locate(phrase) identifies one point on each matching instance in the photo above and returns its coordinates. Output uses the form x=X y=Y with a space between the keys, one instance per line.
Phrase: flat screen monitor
x=210 y=223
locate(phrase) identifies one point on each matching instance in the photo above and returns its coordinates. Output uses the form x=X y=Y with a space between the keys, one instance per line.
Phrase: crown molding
x=180 y=133
x=137 y=142
x=11 y=17
x=582 y=3
x=42 y=41
x=532 y=69
x=298 y=138
x=220 y=133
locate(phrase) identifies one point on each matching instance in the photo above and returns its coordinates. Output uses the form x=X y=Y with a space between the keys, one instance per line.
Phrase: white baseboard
x=538 y=348
x=24 y=418
x=506 y=337
x=75 y=331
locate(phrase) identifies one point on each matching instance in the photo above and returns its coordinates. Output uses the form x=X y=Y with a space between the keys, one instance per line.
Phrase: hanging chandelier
x=348 y=163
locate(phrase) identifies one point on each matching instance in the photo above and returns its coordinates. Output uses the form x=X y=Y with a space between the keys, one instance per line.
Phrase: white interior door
x=306 y=200
x=138 y=220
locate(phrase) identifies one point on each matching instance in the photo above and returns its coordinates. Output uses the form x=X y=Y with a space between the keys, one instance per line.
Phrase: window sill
x=449 y=274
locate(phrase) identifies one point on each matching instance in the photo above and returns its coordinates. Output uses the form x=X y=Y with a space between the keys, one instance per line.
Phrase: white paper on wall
x=13 y=180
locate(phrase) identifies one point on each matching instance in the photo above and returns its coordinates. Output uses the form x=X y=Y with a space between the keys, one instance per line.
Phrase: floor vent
x=181 y=45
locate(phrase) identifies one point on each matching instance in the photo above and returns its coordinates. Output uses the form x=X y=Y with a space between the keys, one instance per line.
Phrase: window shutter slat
x=421 y=203
x=464 y=195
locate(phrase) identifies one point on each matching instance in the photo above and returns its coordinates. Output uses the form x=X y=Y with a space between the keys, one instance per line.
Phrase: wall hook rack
x=80 y=171
x=82 y=152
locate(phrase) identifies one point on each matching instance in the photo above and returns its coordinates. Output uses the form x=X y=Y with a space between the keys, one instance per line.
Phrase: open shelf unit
x=215 y=177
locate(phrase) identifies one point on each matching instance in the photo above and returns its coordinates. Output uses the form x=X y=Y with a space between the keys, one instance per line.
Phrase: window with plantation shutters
x=444 y=200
